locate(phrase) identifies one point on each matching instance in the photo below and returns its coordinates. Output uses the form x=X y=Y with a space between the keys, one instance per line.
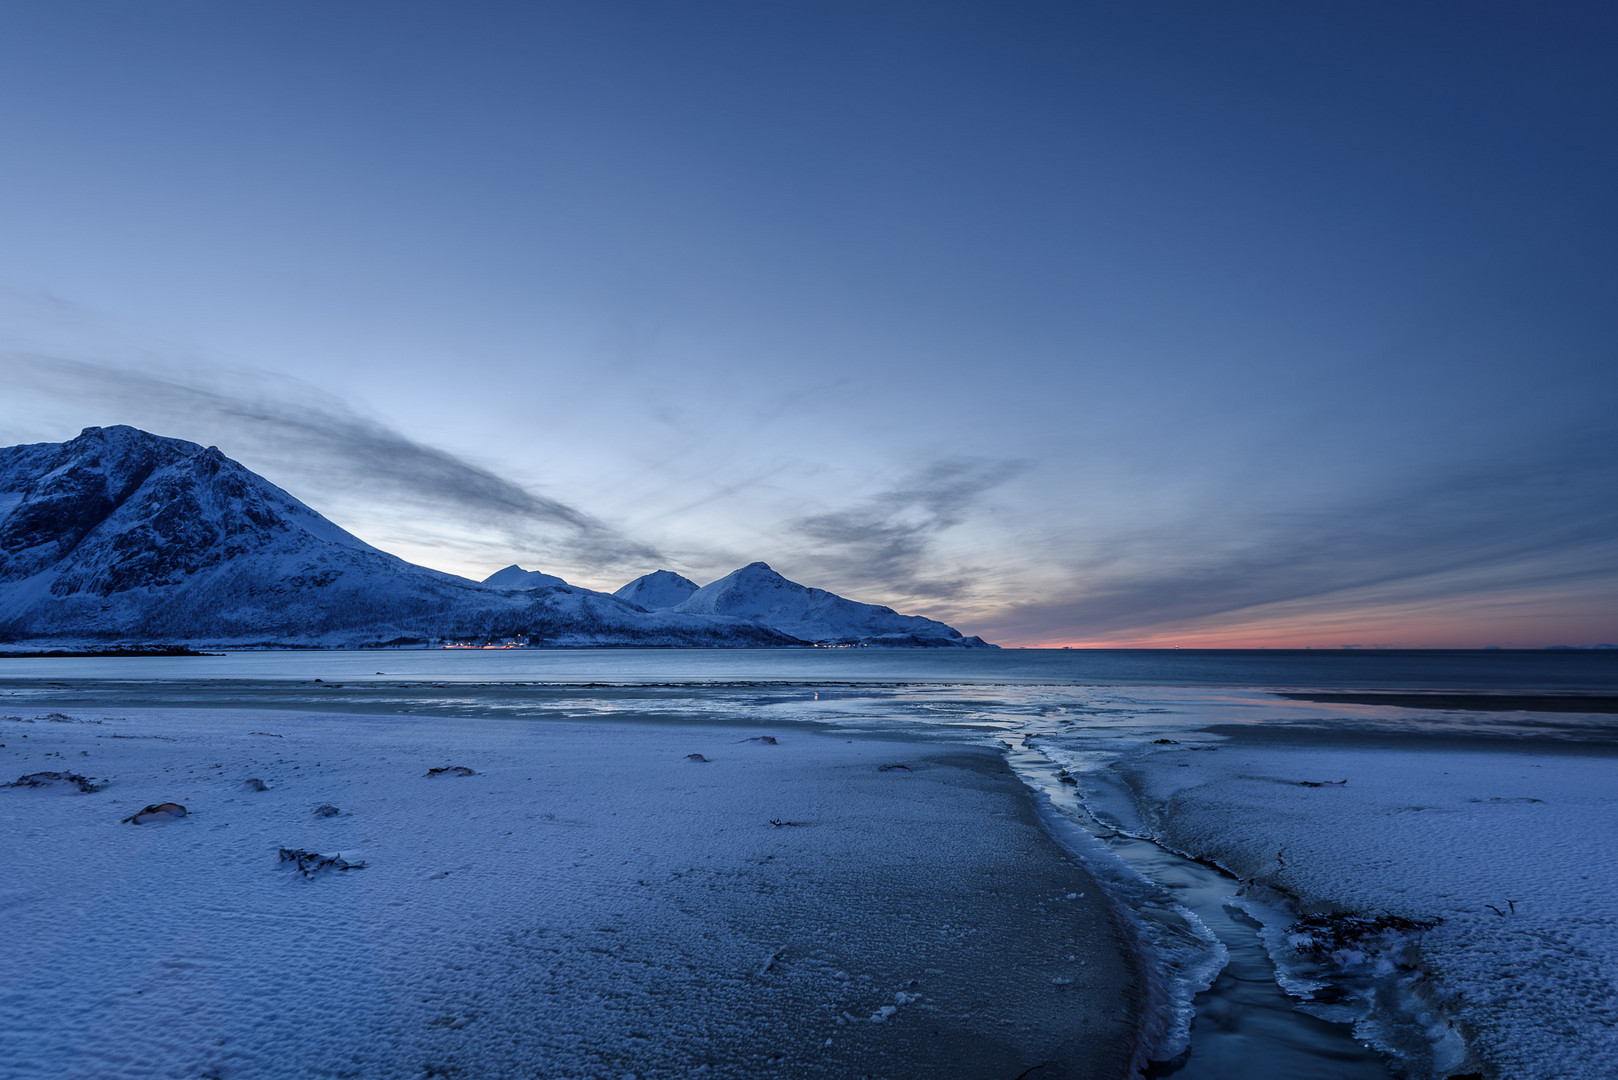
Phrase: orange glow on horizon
x=1365 y=629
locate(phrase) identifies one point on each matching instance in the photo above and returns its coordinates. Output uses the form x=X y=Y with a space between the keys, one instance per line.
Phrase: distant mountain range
x=121 y=536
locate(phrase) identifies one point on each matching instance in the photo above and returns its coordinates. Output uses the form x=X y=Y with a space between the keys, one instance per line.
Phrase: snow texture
x=585 y=903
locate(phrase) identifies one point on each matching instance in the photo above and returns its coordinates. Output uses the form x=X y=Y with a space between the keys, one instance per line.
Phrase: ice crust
x=1510 y=850
x=1180 y=956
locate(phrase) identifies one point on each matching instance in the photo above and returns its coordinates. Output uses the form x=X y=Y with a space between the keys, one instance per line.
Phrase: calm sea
x=1589 y=671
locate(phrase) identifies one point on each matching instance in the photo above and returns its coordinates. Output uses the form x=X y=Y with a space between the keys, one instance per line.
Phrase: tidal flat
x=511 y=898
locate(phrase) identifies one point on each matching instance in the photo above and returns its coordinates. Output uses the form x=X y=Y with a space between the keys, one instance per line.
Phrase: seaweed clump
x=1340 y=938
x=52 y=779
x=310 y=863
x=156 y=813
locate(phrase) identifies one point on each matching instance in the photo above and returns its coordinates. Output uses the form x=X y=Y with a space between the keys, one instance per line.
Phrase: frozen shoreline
x=1503 y=847
x=1110 y=737
x=588 y=903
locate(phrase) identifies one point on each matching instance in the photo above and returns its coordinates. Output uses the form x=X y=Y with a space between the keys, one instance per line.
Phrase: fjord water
x=1582 y=670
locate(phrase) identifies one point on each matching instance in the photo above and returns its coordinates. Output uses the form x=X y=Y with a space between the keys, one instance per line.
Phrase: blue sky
x=1068 y=323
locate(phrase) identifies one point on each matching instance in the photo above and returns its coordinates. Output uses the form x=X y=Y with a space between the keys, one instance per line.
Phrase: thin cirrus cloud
x=886 y=543
x=301 y=431
x=1545 y=521
x=1532 y=520
x=883 y=546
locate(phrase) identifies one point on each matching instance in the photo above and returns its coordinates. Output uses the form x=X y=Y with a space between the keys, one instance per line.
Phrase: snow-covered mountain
x=757 y=593
x=515 y=577
x=120 y=535
x=657 y=591
x=123 y=536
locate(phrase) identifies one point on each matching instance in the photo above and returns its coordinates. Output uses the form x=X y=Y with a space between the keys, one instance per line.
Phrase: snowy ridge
x=657 y=591
x=758 y=593
x=516 y=578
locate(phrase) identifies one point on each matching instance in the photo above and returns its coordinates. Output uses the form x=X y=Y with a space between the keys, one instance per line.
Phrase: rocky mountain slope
x=120 y=535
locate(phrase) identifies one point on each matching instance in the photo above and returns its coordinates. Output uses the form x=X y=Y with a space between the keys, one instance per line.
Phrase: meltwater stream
x=1245 y=1027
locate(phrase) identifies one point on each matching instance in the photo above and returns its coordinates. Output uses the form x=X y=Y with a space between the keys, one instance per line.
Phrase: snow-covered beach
x=592 y=900
x=1452 y=867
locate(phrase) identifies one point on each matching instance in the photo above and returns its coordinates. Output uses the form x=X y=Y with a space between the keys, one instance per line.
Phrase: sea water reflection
x=1566 y=670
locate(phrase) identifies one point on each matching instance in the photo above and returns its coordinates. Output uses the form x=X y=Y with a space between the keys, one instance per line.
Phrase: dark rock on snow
x=155 y=813
x=56 y=779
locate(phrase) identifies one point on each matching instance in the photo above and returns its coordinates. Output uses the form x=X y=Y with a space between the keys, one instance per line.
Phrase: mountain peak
x=123 y=436
x=120 y=431
x=759 y=594
x=657 y=591
x=118 y=512
x=515 y=577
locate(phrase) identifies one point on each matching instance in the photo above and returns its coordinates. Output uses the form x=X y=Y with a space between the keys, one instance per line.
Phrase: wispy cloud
x=1530 y=520
x=884 y=543
x=287 y=427
x=1546 y=519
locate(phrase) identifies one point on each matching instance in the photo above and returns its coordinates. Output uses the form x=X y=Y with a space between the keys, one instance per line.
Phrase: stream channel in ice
x=1244 y=1025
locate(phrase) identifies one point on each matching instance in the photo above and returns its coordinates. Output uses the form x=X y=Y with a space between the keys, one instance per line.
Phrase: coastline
x=587 y=902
